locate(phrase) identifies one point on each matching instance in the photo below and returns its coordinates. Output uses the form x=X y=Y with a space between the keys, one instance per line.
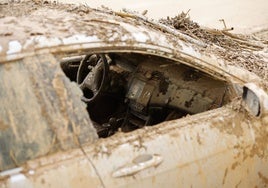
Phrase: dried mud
x=246 y=51
x=28 y=6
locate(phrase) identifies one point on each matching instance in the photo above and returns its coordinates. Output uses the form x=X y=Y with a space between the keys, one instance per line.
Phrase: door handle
x=140 y=163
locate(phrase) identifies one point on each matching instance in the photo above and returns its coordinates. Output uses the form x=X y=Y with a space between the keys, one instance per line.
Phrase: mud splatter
x=3 y=125
x=225 y=175
x=263 y=178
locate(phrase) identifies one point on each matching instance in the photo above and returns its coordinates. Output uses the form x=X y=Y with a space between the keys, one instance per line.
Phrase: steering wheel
x=92 y=75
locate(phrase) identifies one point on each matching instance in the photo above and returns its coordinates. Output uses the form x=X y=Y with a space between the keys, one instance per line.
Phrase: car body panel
x=66 y=169
x=224 y=147
x=122 y=31
x=225 y=151
x=36 y=113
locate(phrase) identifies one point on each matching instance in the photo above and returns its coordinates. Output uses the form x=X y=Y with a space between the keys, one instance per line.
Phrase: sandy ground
x=245 y=16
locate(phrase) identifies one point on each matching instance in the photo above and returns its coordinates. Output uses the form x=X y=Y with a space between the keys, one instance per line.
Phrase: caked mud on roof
x=20 y=21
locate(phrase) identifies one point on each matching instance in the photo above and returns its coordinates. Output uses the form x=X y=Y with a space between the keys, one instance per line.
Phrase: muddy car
x=96 y=98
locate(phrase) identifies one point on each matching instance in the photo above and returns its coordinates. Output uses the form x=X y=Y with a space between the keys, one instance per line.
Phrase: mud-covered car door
x=41 y=111
x=63 y=169
x=224 y=147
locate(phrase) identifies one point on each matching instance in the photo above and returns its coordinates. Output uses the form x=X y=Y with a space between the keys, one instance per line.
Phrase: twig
x=12 y=156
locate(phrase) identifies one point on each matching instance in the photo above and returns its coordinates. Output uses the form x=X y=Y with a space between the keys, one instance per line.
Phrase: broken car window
x=126 y=91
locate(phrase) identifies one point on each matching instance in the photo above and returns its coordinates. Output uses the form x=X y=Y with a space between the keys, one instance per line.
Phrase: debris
x=144 y=12
x=3 y=2
x=225 y=27
x=238 y=50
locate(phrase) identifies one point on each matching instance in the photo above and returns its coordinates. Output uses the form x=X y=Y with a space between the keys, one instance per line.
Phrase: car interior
x=127 y=91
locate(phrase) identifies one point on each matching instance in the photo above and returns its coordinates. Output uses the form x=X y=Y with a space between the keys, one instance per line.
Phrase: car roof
x=49 y=25
x=29 y=27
